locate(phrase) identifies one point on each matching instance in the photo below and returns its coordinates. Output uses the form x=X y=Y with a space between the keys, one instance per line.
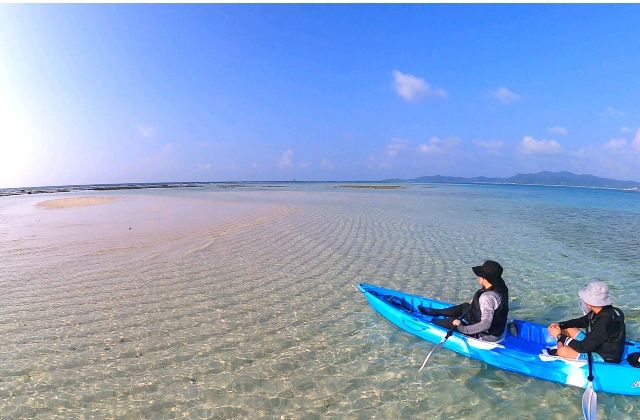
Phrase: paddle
x=441 y=343
x=405 y=306
x=590 y=398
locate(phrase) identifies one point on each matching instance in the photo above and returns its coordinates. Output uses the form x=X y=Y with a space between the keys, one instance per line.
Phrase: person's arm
x=554 y=329
x=593 y=340
x=488 y=304
x=582 y=322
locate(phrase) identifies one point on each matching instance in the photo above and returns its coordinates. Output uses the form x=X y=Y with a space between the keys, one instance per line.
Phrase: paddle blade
x=590 y=403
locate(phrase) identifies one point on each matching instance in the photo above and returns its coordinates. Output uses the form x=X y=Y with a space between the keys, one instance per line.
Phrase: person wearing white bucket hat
x=605 y=336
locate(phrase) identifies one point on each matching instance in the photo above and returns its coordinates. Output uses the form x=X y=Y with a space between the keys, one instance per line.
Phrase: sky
x=159 y=93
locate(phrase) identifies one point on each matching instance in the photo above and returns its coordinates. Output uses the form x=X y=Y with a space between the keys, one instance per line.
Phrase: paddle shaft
x=589 y=397
x=444 y=339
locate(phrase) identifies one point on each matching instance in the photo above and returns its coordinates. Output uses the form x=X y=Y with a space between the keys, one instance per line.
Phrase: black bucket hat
x=490 y=270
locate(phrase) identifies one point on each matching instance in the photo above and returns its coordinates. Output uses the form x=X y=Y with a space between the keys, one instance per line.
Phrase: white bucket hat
x=595 y=293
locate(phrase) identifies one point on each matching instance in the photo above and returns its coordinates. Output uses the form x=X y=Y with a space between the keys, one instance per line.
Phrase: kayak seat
x=533 y=333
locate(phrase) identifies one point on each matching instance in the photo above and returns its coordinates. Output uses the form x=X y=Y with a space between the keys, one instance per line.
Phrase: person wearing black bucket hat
x=485 y=316
x=605 y=336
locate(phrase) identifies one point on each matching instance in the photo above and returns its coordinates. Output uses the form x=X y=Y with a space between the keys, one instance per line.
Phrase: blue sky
x=145 y=93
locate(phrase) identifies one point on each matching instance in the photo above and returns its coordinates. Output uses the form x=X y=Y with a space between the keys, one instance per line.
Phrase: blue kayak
x=520 y=351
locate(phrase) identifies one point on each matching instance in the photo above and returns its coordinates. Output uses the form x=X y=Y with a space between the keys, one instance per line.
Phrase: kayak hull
x=519 y=351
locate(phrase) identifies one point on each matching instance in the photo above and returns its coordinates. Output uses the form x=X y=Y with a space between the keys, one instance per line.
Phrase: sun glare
x=17 y=132
x=16 y=141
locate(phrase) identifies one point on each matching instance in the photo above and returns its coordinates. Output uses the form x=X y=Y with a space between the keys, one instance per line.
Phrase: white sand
x=61 y=203
x=103 y=306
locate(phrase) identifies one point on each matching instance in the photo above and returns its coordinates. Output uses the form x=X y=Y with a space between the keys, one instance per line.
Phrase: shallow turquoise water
x=261 y=317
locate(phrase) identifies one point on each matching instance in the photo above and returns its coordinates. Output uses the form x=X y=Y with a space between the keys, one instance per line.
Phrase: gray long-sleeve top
x=489 y=302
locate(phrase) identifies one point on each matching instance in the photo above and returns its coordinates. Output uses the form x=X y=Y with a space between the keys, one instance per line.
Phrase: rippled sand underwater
x=243 y=304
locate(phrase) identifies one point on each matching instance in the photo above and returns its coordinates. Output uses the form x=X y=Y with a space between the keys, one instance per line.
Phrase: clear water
x=243 y=302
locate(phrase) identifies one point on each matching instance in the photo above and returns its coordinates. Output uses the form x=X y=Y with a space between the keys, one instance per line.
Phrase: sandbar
x=61 y=203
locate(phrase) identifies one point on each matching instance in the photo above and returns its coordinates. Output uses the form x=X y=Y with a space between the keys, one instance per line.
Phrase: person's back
x=493 y=305
x=612 y=348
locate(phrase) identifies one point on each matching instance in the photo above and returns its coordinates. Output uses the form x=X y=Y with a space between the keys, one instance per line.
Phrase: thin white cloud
x=636 y=140
x=492 y=145
x=327 y=165
x=435 y=145
x=612 y=112
x=146 y=131
x=370 y=162
x=623 y=145
x=204 y=166
x=396 y=146
x=584 y=153
x=505 y=96
x=286 y=159
x=159 y=160
x=204 y=144
x=531 y=146
x=626 y=130
x=412 y=88
x=559 y=131
x=612 y=164
x=615 y=144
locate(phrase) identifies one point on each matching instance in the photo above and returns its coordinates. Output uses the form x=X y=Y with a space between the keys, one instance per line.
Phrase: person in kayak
x=605 y=330
x=485 y=316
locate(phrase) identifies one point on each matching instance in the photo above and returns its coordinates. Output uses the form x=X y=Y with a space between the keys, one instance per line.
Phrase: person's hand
x=554 y=329
x=456 y=322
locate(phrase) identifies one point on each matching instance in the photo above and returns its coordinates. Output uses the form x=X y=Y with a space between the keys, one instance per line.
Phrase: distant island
x=565 y=179
x=371 y=187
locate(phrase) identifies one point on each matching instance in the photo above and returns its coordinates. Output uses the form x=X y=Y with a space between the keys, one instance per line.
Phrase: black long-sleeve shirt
x=606 y=337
